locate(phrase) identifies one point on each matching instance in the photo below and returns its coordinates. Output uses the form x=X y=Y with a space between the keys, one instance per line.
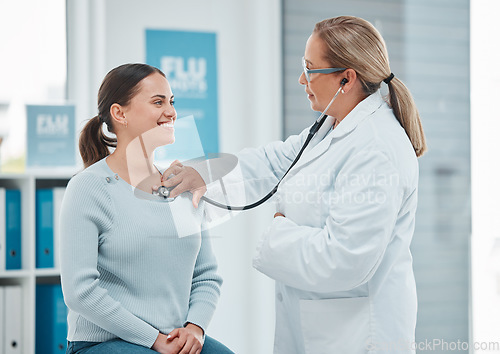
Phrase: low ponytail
x=94 y=144
x=405 y=110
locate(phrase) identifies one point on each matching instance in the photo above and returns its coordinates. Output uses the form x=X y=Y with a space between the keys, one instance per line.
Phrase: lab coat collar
x=358 y=114
x=321 y=143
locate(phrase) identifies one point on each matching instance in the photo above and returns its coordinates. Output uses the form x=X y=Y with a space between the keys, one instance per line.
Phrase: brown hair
x=119 y=86
x=355 y=43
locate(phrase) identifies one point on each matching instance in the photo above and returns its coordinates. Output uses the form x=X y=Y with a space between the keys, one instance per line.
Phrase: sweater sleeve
x=205 y=288
x=86 y=214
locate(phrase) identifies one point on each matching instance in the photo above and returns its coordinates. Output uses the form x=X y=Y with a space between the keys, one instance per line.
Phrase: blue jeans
x=119 y=346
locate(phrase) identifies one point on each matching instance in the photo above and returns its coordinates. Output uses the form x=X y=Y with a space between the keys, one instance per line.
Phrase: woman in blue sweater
x=133 y=281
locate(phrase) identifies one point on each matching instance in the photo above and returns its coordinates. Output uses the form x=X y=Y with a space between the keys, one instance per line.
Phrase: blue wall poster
x=189 y=61
x=51 y=136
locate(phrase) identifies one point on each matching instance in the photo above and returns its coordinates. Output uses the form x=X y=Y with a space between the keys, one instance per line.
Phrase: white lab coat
x=341 y=255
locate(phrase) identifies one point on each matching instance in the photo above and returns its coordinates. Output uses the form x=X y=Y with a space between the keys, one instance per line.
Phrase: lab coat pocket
x=332 y=326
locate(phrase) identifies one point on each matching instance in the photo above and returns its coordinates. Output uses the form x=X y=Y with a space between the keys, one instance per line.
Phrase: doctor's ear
x=348 y=78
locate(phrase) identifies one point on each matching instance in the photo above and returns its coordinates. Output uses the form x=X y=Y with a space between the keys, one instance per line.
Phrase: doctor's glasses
x=308 y=72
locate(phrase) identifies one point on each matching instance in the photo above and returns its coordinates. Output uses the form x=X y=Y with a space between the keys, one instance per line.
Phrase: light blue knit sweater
x=126 y=270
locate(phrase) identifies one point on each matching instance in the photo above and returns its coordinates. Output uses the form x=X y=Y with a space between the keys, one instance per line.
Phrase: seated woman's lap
x=113 y=346
x=118 y=346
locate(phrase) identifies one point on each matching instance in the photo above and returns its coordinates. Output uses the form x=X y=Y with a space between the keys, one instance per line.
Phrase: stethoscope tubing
x=314 y=129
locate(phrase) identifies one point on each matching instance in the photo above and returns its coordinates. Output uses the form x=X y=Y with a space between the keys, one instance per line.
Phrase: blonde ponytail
x=405 y=110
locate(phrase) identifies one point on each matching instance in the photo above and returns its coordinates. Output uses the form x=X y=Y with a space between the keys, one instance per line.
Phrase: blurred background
x=445 y=51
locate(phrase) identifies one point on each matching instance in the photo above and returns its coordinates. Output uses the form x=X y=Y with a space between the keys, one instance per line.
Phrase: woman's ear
x=117 y=114
x=349 y=75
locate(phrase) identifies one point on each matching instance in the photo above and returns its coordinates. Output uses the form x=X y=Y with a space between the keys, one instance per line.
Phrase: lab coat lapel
x=320 y=135
x=320 y=144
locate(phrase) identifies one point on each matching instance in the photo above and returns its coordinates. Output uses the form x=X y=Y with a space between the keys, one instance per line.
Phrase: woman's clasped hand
x=187 y=340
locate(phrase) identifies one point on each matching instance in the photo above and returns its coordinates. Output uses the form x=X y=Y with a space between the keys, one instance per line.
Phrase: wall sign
x=189 y=61
x=51 y=136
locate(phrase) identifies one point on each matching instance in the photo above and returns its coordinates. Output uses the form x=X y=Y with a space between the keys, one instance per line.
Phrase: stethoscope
x=165 y=192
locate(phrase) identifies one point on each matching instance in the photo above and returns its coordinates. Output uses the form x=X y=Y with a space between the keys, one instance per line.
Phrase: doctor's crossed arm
x=344 y=251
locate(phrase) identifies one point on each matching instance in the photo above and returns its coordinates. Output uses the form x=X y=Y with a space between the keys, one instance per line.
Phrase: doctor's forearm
x=310 y=259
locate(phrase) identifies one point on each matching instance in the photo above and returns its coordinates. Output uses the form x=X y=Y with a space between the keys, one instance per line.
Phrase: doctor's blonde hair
x=355 y=43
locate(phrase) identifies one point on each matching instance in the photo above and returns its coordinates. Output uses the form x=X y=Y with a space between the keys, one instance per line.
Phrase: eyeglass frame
x=307 y=71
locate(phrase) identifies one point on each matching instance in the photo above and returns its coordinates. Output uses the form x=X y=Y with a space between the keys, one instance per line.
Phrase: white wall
x=485 y=125
x=103 y=35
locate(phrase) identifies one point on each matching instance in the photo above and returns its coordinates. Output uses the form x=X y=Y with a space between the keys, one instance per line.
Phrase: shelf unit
x=29 y=276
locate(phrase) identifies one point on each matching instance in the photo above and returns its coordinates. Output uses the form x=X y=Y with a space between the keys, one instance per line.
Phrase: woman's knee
x=212 y=346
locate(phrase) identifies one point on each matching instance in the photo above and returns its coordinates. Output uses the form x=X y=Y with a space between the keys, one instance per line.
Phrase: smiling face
x=151 y=111
x=322 y=87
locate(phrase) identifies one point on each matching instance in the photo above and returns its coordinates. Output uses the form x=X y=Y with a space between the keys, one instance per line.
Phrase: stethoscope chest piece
x=164 y=192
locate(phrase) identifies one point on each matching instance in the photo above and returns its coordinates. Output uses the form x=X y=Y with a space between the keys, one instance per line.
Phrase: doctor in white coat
x=339 y=247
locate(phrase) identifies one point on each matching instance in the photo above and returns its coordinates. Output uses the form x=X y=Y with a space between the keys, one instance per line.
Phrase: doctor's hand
x=186 y=179
x=278 y=214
